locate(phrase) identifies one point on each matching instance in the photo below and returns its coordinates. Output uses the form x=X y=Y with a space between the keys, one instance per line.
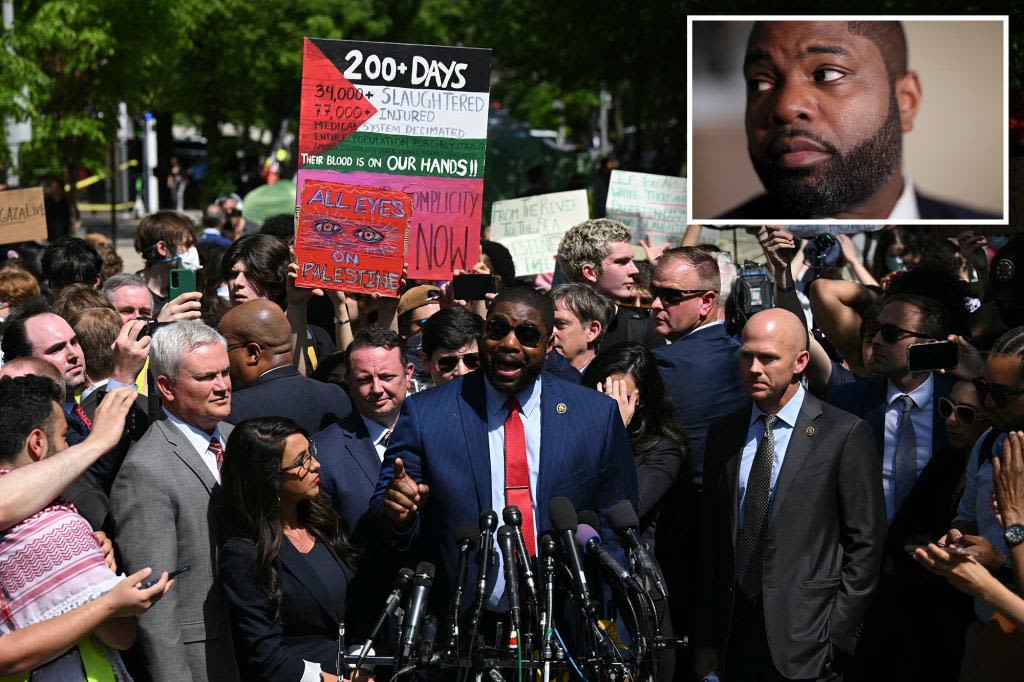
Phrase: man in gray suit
x=793 y=522
x=162 y=510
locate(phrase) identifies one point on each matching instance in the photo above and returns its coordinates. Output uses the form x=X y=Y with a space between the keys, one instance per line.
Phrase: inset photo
x=873 y=120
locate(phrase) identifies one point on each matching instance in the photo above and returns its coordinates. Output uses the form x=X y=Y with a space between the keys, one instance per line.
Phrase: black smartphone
x=473 y=287
x=154 y=579
x=151 y=326
x=181 y=281
x=922 y=357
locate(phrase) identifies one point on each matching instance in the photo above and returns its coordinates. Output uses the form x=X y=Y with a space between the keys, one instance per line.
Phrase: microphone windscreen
x=512 y=516
x=563 y=514
x=622 y=516
x=467 y=532
x=506 y=532
x=548 y=544
x=424 y=573
x=404 y=578
x=488 y=520
x=589 y=517
x=584 y=533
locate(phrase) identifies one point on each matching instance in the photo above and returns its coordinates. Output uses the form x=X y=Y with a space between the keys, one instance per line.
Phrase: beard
x=527 y=374
x=842 y=181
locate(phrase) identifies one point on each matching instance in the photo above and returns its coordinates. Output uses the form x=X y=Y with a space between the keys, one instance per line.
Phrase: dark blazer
x=283 y=392
x=556 y=363
x=632 y=324
x=308 y=627
x=930 y=208
x=105 y=468
x=658 y=465
x=441 y=437
x=349 y=469
x=930 y=506
x=823 y=547
x=702 y=374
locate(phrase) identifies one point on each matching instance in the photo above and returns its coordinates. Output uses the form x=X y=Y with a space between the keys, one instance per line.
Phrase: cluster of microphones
x=534 y=588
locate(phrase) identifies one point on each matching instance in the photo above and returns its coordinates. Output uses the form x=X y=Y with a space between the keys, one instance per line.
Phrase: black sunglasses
x=670 y=296
x=1000 y=394
x=891 y=333
x=447 y=363
x=965 y=414
x=498 y=328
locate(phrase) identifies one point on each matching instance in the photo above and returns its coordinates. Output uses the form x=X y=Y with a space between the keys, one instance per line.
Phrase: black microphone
x=429 y=637
x=589 y=517
x=507 y=547
x=563 y=518
x=514 y=517
x=588 y=539
x=466 y=535
x=417 y=606
x=548 y=552
x=488 y=522
x=402 y=582
x=623 y=520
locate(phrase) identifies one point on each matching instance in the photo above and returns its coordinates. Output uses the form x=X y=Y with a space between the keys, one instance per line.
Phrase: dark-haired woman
x=628 y=373
x=287 y=565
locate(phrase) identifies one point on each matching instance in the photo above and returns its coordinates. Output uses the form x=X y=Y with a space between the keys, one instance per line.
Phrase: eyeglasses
x=670 y=296
x=305 y=459
x=498 y=328
x=965 y=414
x=891 y=333
x=447 y=363
x=1000 y=394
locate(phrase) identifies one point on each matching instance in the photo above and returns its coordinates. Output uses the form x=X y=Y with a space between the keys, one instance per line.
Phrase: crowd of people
x=203 y=485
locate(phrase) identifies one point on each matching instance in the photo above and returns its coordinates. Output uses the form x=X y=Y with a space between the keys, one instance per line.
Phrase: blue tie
x=904 y=465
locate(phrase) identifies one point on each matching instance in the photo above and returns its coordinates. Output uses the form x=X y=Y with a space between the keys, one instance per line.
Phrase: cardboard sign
x=411 y=118
x=351 y=238
x=531 y=227
x=22 y=215
x=652 y=206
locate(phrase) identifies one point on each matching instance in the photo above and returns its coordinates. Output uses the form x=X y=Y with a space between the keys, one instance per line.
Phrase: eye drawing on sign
x=333 y=233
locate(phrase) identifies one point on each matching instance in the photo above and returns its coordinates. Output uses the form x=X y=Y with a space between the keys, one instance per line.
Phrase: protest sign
x=531 y=227
x=652 y=206
x=411 y=118
x=22 y=215
x=351 y=238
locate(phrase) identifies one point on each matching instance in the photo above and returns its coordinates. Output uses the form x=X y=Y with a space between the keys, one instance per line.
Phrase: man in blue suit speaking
x=505 y=435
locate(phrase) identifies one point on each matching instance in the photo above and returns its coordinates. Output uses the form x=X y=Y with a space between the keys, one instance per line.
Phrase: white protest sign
x=651 y=206
x=531 y=227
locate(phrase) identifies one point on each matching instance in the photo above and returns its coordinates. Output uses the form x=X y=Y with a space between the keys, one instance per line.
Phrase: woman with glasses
x=964 y=416
x=288 y=563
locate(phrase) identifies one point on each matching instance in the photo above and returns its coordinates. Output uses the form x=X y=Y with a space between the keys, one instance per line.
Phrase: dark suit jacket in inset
x=441 y=437
x=763 y=207
x=308 y=626
x=823 y=545
x=702 y=374
x=283 y=392
x=930 y=506
x=349 y=469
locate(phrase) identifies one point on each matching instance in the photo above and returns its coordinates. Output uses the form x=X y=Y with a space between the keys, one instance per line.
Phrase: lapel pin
x=560 y=408
x=809 y=431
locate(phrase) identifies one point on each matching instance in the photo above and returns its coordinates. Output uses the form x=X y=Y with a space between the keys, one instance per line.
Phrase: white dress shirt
x=906 y=206
x=377 y=433
x=921 y=415
x=200 y=441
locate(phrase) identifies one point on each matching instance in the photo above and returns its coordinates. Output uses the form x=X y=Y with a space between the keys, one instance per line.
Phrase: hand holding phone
x=154 y=579
x=473 y=287
x=924 y=357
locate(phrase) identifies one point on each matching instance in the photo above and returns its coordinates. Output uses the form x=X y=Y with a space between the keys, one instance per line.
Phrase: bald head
x=259 y=339
x=772 y=357
x=32 y=366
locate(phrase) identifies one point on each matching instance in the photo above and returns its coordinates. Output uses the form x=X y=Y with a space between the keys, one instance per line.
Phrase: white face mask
x=190 y=259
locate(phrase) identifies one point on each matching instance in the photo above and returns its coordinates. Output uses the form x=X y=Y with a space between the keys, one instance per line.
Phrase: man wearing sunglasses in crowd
x=450 y=347
x=508 y=434
x=976 y=532
x=921 y=471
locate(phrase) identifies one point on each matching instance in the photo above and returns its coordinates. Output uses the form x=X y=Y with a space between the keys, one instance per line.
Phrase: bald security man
x=793 y=522
x=264 y=379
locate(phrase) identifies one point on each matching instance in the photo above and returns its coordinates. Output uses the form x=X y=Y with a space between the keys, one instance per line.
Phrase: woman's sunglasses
x=1000 y=394
x=965 y=414
x=498 y=328
x=447 y=363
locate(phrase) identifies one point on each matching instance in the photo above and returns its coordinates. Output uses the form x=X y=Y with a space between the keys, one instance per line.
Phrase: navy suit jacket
x=308 y=626
x=441 y=437
x=349 y=469
x=702 y=374
x=930 y=506
x=283 y=392
x=560 y=367
x=930 y=208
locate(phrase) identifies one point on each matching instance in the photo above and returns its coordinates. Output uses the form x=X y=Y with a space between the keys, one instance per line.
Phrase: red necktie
x=217 y=449
x=82 y=416
x=517 y=473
